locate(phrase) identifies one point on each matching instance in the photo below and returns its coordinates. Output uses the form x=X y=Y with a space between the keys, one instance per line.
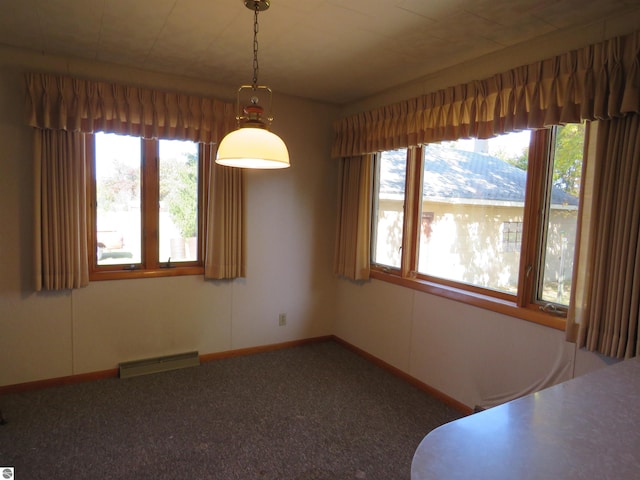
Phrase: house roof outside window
x=459 y=176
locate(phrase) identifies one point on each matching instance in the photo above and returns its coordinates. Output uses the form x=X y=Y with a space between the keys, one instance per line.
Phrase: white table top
x=587 y=428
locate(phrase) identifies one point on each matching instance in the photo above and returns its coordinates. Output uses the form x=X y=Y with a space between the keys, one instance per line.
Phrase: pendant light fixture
x=252 y=145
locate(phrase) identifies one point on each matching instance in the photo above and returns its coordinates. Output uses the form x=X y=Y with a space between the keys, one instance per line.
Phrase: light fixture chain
x=252 y=145
x=255 y=46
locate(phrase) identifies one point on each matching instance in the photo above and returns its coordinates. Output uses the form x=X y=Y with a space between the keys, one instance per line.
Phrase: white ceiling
x=329 y=50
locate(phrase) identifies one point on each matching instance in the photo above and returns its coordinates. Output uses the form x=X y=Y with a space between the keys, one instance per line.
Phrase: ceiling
x=329 y=50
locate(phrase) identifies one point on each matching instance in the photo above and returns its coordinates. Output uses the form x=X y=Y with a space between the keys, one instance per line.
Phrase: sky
x=127 y=150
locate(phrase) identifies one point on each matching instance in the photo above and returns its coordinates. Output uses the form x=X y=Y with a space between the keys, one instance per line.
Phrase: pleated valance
x=600 y=81
x=73 y=104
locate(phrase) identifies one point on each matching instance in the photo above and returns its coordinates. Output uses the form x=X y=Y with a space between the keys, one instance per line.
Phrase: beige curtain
x=225 y=255
x=596 y=82
x=352 y=253
x=60 y=257
x=62 y=109
x=605 y=311
x=74 y=104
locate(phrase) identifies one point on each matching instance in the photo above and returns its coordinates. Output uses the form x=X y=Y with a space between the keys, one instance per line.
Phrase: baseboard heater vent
x=159 y=364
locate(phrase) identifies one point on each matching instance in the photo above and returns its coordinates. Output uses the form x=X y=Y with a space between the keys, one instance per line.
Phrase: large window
x=496 y=217
x=147 y=198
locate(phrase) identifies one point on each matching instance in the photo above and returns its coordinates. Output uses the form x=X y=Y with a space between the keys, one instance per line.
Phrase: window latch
x=168 y=264
x=552 y=309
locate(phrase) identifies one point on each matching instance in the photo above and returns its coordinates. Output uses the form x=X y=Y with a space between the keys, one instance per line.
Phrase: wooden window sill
x=144 y=273
x=498 y=305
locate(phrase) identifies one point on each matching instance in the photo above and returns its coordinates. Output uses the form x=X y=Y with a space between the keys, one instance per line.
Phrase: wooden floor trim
x=262 y=348
x=452 y=402
x=58 y=381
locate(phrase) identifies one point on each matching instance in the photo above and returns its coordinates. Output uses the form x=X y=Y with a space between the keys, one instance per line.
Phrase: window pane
x=387 y=235
x=562 y=214
x=472 y=210
x=178 y=166
x=118 y=199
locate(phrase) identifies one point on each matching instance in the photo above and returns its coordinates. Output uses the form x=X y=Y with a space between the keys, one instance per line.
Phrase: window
x=560 y=218
x=511 y=236
x=147 y=198
x=495 y=218
x=389 y=212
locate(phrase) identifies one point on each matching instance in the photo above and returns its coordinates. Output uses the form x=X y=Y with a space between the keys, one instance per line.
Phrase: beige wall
x=290 y=228
x=473 y=355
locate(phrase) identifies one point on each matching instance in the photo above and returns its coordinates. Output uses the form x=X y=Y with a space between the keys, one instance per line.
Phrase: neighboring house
x=472 y=214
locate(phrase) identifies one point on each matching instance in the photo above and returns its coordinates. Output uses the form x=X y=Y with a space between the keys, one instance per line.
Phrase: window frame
x=523 y=304
x=151 y=265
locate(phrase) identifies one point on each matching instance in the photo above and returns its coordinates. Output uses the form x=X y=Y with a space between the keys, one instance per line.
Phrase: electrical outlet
x=282 y=319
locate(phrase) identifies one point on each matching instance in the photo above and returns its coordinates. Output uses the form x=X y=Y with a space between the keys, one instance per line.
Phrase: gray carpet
x=315 y=412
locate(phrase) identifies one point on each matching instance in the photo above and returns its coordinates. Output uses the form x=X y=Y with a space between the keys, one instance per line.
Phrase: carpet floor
x=314 y=412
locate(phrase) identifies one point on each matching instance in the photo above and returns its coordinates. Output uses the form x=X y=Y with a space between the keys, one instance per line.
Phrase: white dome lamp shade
x=252 y=145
